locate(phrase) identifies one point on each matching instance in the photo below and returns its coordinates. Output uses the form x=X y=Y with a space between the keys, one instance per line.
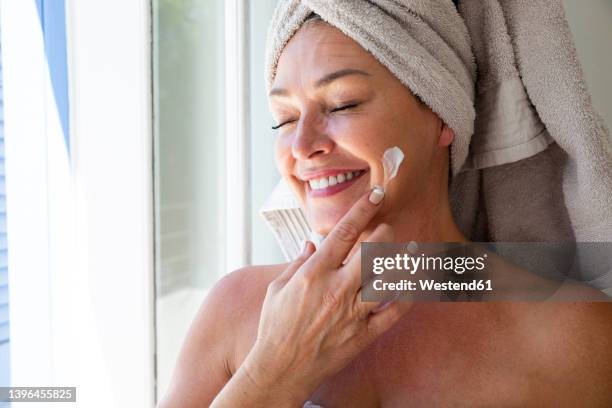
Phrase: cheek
x=285 y=164
x=367 y=136
x=357 y=135
x=282 y=154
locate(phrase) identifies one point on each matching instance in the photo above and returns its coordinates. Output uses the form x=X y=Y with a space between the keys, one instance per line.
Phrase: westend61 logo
x=485 y=271
x=413 y=264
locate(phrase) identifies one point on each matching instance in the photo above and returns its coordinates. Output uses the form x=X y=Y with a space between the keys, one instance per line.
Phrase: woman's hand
x=313 y=322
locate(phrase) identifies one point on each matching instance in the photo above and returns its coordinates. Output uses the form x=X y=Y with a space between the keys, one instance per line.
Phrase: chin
x=323 y=222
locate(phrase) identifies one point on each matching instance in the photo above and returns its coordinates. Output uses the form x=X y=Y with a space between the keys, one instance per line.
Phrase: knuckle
x=361 y=311
x=330 y=300
x=364 y=212
x=347 y=232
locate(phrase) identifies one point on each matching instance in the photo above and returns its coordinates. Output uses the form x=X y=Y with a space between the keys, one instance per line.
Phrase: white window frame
x=111 y=104
x=237 y=125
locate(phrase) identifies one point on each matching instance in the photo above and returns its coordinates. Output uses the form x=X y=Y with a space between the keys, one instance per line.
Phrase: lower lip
x=331 y=190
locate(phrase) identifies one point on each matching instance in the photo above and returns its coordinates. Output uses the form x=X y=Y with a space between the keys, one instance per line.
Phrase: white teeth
x=324 y=182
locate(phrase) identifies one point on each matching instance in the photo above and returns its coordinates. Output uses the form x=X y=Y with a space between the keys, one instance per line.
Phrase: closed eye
x=338 y=109
x=345 y=107
x=282 y=124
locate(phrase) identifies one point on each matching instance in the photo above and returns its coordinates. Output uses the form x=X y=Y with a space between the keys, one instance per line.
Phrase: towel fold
x=532 y=160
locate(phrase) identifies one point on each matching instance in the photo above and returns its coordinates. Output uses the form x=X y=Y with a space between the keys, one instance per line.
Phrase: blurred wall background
x=591 y=24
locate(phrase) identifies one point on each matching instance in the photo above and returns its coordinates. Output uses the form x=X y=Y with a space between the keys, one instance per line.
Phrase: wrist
x=242 y=390
x=268 y=378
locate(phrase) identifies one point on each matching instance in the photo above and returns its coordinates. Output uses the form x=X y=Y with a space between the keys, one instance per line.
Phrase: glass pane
x=264 y=174
x=189 y=165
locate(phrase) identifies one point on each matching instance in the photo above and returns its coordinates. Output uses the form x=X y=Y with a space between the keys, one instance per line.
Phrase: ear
x=447 y=135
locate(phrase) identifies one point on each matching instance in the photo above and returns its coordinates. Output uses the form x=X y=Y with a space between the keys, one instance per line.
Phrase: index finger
x=344 y=235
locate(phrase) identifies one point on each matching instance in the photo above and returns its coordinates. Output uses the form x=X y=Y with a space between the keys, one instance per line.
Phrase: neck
x=423 y=225
x=428 y=219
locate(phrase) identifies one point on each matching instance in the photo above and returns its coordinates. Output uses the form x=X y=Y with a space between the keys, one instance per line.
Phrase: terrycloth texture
x=423 y=43
x=565 y=192
x=539 y=166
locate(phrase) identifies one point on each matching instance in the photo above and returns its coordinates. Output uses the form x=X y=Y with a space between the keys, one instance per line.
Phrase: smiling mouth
x=332 y=184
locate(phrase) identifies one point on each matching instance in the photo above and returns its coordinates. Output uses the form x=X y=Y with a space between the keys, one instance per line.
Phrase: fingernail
x=304 y=246
x=377 y=195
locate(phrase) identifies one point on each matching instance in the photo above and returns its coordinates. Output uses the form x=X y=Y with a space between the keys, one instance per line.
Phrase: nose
x=310 y=139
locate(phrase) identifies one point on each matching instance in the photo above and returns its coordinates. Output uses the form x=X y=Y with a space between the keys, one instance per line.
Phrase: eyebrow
x=326 y=80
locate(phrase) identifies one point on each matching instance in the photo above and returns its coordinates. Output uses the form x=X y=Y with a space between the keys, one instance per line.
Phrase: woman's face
x=339 y=110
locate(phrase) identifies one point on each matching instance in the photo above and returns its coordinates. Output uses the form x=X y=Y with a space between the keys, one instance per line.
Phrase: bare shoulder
x=245 y=287
x=241 y=293
x=571 y=352
x=221 y=332
x=235 y=304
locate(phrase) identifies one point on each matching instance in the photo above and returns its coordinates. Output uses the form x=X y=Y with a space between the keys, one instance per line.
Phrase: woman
x=280 y=335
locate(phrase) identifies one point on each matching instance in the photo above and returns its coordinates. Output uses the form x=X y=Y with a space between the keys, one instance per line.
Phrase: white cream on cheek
x=392 y=160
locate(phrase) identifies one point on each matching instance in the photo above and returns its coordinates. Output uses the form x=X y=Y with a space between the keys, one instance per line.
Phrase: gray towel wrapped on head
x=424 y=44
x=532 y=160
